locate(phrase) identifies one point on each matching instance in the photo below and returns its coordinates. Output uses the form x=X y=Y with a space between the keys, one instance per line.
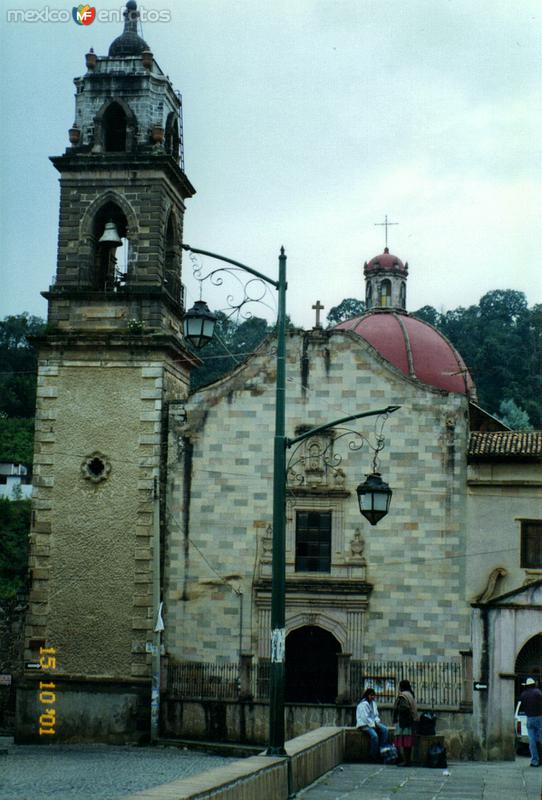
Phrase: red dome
x=386 y=261
x=414 y=347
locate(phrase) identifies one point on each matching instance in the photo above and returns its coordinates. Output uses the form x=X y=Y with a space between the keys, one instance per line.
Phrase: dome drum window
x=385 y=293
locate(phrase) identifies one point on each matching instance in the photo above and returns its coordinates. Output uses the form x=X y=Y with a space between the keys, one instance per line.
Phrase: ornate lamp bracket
x=314 y=451
x=255 y=289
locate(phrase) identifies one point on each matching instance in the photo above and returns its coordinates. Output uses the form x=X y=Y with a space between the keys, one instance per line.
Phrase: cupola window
x=402 y=295
x=385 y=293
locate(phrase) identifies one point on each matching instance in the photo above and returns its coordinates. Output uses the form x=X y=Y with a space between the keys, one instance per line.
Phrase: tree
x=17 y=440
x=508 y=305
x=14 y=529
x=18 y=365
x=347 y=309
x=232 y=344
x=513 y=416
x=428 y=314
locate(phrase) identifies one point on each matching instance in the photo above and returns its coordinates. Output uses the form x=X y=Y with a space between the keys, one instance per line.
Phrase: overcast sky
x=305 y=122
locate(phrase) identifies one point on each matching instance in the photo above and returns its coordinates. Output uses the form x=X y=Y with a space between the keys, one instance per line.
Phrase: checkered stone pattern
x=415 y=557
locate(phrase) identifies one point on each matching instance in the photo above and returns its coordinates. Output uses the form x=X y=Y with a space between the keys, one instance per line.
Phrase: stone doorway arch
x=311 y=665
x=529 y=663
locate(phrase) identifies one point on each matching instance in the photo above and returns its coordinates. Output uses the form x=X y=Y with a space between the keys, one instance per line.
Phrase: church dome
x=414 y=347
x=129 y=43
x=385 y=261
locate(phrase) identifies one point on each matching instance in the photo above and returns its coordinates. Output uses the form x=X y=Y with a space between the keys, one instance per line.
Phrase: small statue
x=357 y=546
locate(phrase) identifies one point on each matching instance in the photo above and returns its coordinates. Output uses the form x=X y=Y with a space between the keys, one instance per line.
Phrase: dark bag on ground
x=436 y=757
x=427 y=724
x=389 y=754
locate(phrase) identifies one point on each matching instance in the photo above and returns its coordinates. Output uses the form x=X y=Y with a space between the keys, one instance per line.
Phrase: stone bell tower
x=111 y=362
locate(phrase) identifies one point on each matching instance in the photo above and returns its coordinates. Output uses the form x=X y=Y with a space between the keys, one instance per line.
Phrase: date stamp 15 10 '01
x=47 y=695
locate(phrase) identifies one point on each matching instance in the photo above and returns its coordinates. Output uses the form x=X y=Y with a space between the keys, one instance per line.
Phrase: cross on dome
x=386 y=225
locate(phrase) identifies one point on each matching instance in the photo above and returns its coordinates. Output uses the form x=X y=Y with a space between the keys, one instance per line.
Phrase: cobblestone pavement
x=94 y=772
x=467 y=780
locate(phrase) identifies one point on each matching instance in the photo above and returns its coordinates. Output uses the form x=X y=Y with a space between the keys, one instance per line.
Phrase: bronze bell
x=110 y=236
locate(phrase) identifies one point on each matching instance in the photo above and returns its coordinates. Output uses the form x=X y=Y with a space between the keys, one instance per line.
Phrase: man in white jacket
x=367 y=719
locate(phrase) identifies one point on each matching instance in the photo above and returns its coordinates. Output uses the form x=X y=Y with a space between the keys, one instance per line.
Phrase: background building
x=15 y=481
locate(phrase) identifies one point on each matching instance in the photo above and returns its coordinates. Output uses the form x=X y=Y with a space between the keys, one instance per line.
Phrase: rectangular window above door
x=313 y=541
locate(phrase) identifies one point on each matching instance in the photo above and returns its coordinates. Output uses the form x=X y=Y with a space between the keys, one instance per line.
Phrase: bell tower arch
x=111 y=363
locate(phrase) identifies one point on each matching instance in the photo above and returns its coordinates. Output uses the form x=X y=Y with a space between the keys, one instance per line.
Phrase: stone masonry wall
x=145 y=200
x=415 y=557
x=148 y=93
x=91 y=545
x=517 y=488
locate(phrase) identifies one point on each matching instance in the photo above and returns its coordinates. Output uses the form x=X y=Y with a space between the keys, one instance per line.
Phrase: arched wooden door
x=311 y=665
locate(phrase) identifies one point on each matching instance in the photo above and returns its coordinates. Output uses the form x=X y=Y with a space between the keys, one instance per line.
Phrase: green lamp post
x=198 y=325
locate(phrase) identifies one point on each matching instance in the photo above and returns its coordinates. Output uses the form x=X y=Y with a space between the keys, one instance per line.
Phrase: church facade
x=382 y=592
x=153 y=504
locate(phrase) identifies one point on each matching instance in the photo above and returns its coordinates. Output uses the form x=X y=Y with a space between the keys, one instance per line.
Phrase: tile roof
x=506 y=444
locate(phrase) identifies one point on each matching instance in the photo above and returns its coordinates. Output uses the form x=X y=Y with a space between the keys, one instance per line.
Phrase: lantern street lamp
x=374 y=498
x=198 y=327
x=199 y=324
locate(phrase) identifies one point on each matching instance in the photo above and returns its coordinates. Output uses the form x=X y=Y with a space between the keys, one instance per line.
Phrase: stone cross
x=318 y=307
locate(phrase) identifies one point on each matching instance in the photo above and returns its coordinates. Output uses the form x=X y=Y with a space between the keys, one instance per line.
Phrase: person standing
x=405 y=716
x=367 y=719
x=531 y=703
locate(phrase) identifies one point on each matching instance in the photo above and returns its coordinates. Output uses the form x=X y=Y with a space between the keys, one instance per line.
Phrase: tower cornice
x=122 y=162
x=94 y=341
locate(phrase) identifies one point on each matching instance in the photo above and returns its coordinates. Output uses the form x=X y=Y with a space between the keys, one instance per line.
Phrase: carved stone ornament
x=489 y=592
x=96 y=467
x=357 y=546
x=265 y=553
x=267 y=545
x=315 y=465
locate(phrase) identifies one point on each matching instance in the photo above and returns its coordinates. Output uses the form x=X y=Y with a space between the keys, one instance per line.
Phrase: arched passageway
x=311 y=665
x=529 y=663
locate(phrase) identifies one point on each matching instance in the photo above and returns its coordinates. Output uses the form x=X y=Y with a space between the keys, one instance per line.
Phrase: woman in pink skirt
x=405 y=717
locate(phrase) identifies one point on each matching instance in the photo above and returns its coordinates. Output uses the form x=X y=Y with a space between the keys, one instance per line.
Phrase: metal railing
x=260 y=679
x=435 y=683
x=201 y=680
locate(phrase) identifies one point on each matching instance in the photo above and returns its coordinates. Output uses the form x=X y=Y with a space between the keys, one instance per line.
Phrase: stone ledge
x=357 y=744
x=259 y=777
x=262 y=777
